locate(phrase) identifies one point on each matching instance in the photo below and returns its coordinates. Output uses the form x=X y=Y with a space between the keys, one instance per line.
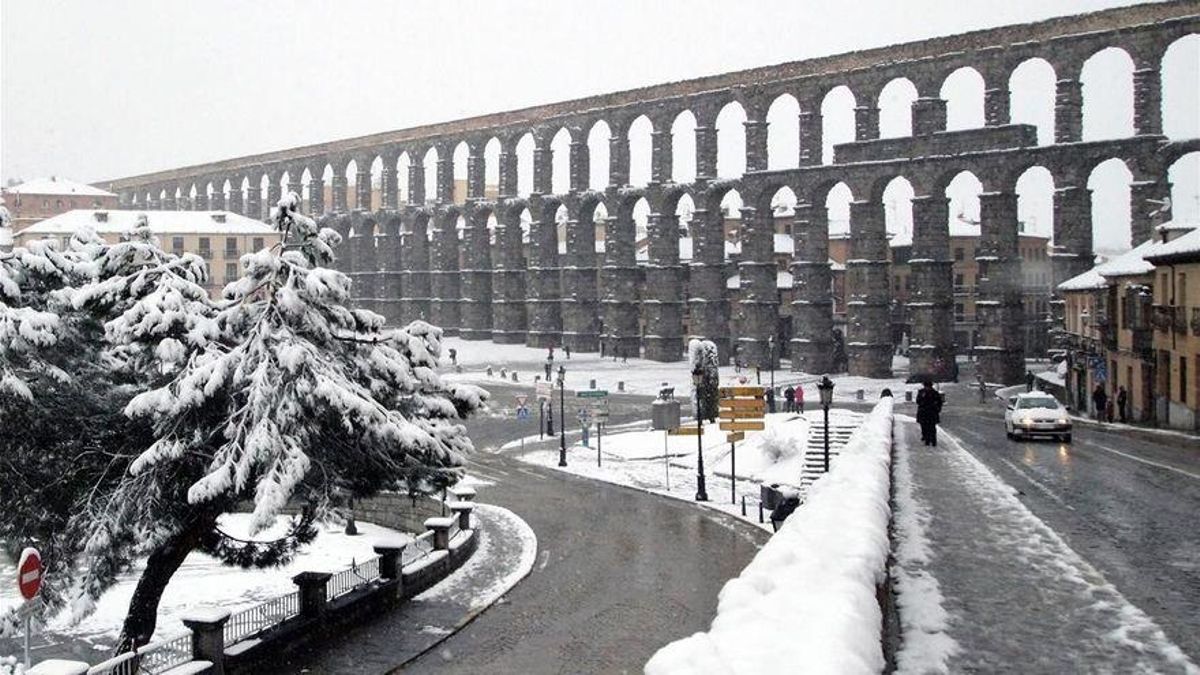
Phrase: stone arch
x=963 y=92
x=524 y=150
x=491 y=168
x=1109 y=183
x=1184 y=175
x=560 y=161
x=599 y=140
x=350 y=173
x=374 y=189
x=639 y=134
x=837 y=119
x=731 y=140
x=835 y=196
x=460 y=156
x=896 y=193
x=1180 y=88
x=1107 y=81
x=783 y=133
x=403 y=172
x=962 y=186
x=1031 y=87
x=895 y=108
x=683 y=147
x=1034 y=188
x=430 y=163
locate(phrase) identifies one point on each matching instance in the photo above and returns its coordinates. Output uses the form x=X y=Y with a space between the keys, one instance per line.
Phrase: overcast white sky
x=96 y=90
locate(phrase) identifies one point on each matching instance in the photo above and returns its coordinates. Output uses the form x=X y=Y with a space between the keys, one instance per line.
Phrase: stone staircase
x=841 y=426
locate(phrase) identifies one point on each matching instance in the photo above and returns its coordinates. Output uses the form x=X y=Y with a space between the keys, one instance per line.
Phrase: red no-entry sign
x=29 y=573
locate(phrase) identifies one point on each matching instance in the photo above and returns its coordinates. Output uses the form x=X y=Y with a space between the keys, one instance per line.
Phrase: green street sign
x=592 y=393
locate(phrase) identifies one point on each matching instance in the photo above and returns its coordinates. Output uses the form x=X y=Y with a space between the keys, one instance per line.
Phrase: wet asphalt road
x=1128 y=506
x=619 y=573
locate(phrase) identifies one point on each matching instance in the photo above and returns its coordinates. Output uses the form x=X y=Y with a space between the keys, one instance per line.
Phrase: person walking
x=929 y=408
x=982 y=387
x=1028 y=381
x=1122 y=402
x=789 y=399
x=799 y=398
x=567 y=351
x=1099 y=401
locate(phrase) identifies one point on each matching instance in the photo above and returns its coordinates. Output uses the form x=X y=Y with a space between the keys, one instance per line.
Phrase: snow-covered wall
x=807 y=602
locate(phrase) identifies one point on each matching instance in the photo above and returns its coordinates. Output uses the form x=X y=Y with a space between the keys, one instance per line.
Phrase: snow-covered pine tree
x=702 y=354
x=295 y=399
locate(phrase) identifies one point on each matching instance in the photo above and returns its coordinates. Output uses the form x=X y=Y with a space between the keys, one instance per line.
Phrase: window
x=1181 y=294
x=231 y=272
x=230 y=246
x=958 y=280
x=45 y=203
x=177 y=245
x=958 y=254
x=1162 y=300
x=205 y=247
x=258 y=243
x=95 y=203
x=1183 y=380
x=959 y=314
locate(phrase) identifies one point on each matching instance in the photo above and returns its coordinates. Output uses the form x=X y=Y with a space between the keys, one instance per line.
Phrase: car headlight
x=1063 y=420
x=1025 y=421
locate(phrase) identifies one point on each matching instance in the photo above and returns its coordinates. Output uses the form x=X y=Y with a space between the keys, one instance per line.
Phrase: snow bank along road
x=619 y=572
x=1127 y=507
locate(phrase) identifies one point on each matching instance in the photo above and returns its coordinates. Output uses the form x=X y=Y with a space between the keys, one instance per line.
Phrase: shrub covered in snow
x=807 y=603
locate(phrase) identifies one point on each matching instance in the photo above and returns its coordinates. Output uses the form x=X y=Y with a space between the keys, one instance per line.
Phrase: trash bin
x=769 y=495
x=784 y=509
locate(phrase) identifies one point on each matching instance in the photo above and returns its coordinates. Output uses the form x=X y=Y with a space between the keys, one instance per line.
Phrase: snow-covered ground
x=663 y=464
x=203 y=581
x=639 y=376
x=806 y=603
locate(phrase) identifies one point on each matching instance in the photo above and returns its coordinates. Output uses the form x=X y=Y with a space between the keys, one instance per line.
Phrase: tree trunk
x=161 y=565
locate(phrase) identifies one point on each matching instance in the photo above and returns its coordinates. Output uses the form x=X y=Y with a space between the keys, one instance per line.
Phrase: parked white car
x=1036 y=414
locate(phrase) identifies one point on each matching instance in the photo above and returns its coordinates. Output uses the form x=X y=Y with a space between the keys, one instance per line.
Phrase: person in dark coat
x=1029 y=380
x=1122 y=403
x=929 y=409
x=1100 y=401
x=789 y=398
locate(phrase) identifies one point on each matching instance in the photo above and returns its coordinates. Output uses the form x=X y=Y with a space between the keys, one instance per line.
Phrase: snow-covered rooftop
x=161 y=222
x=57 y=186
x=1177 y=226
x=1130 y=263
x=1186 y=244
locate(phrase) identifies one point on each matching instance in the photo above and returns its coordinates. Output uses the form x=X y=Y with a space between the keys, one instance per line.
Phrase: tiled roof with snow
x=57 y=186
x=1130 y=263
x=161 y=222
x=1184 y=245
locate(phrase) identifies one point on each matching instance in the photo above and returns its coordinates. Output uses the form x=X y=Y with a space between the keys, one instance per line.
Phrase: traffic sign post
x=741 y=410
x=29 y=582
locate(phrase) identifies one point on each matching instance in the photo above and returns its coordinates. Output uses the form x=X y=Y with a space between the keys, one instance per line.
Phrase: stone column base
x=664 y=349
x=869 y=360
x=810 y=356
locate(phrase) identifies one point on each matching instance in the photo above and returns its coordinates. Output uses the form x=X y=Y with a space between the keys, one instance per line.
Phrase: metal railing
x=249 y=622
x=418 y=548
x=155 y=657
x=351 y=578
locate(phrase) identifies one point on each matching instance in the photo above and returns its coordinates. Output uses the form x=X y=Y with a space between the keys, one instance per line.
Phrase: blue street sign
x=522 y=413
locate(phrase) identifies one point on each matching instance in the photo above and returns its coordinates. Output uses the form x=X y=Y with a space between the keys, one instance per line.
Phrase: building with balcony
x=220 y=237
x=1128 y=323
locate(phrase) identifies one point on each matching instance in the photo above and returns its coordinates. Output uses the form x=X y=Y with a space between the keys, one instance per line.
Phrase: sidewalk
x=984 y=585
x=506 y=553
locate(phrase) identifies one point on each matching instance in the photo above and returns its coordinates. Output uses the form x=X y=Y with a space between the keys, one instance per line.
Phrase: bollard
x=464 y=493
x=621 y=385
x=441 y=532
x=859 y=395
x=489 y=371
x=208 y=634
x=908 y=396
x=514 y=376
x=312 y=592
x=592 y=384
x=391 y=551
x=743 y=506
x=462 y=511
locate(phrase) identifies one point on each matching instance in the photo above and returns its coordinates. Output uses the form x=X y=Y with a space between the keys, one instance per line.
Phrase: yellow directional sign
x=686 y=431
x=743 y=426
x=744 y=404
x=740 y=415
x=735 y=436
x=726 y=392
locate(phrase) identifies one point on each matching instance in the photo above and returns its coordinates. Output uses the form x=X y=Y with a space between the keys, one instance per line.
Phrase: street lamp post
x=701 y=491
x=771 y=356
x=825 y=387
x=562 y=416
